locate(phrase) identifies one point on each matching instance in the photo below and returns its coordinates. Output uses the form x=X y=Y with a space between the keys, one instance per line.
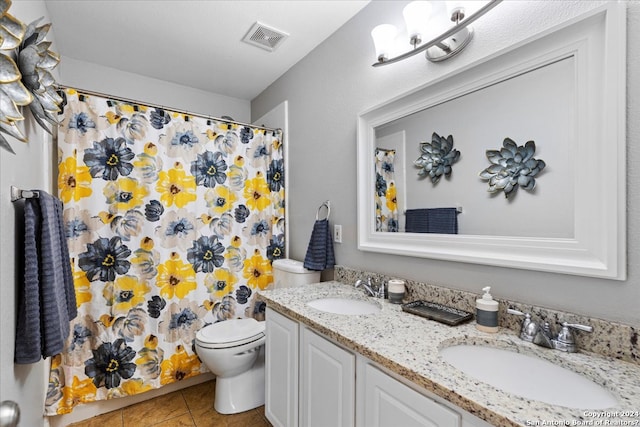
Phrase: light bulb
x=416 y=18
x=383 y=39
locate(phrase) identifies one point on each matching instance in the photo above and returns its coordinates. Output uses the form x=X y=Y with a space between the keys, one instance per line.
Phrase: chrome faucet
x=372 y=289
x=544 y=336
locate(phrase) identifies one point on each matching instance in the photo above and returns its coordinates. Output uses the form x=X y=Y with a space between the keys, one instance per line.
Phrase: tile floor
x=190 y=407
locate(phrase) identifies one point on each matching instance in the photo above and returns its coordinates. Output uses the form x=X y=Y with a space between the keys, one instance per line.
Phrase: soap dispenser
x=487 y=312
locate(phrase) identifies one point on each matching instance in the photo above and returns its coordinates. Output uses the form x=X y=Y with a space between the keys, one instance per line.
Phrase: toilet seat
x=230 y=333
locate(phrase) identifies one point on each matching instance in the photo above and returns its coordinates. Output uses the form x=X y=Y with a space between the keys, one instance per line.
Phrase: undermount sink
x=529 y=377
x=346 y=306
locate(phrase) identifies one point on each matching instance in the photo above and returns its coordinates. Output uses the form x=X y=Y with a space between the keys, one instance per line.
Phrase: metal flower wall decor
x=437 y=157
x=512 y=166
x=25 y=75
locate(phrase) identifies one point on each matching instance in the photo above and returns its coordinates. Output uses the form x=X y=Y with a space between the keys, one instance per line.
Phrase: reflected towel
x=47 y=301
x=434 y=220
x=320 y=250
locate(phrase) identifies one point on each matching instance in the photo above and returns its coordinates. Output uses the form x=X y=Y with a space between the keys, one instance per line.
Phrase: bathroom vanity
x=386 y=368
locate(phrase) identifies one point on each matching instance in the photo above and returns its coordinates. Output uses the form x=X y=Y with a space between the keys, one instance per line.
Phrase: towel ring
x=327 y=205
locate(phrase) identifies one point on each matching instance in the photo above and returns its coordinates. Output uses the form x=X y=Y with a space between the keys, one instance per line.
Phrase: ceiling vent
x=265 y=37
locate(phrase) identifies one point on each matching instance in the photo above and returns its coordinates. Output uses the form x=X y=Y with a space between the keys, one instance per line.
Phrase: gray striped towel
x=47 y=301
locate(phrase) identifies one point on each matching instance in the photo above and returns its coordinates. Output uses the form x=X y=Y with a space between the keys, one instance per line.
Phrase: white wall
x=110 y=81
x=29 y=168
x=330 y=86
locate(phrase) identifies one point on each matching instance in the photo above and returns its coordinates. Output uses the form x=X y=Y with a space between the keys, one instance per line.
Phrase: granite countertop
x=409 y=346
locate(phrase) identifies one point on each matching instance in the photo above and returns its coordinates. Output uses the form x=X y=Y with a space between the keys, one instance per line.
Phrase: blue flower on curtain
x=81 y=122
x=209 y=168
x=177 y=229
x=182 y=321
x=110 y=363
x=242 y=294
x=257 y=230
x=246 y=134
x=159 y=118
x=258 y=154
x=110 y=158
x=153 y=210
x=155 y=306
x=275 y=175
x=206 y=254
x=275 y=250
x=104 y=259
x=241 y=213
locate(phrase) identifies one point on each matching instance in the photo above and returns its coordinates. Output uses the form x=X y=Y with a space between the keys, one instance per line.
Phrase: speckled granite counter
x=409 y=346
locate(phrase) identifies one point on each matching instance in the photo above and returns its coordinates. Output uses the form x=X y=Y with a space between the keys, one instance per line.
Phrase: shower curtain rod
x=162 y=107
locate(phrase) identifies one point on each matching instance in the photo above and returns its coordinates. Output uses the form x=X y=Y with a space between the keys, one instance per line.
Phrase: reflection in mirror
x=537 y=105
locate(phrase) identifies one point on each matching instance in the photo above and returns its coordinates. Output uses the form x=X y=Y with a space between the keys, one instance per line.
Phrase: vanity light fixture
x=422 y=24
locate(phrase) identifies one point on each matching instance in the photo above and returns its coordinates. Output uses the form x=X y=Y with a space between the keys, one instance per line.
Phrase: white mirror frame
x=597 y=41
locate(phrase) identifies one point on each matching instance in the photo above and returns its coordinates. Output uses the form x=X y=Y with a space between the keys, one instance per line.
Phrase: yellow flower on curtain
x=390 y=196
x=256 y=192
x=175 y=278
x=257 y=271
x=135 y=386
x=221 y=199
x=74 y=182
x=176 y=187
x=82 y=286
x=125 y=293
x=179 y=366
x=78 y=392
x=221 y=282
x=124 y=194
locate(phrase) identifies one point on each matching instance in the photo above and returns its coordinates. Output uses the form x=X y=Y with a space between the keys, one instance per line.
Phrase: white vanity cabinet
x=327 y=382
x=386 y=402
x=333 y=386
x=281 y=370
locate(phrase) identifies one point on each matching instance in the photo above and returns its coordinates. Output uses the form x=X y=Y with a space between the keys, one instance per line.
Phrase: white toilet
x=234 y=349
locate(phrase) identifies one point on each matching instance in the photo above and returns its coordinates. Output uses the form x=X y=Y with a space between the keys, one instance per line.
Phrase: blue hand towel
x=433 y=220
x=47 y=302
x=443 y=220
x=320 y=250
x=417 y=221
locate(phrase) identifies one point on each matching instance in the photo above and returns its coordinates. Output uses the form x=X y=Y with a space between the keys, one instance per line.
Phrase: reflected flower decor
x=437 y=158
x=26 y=63
x=511 y=167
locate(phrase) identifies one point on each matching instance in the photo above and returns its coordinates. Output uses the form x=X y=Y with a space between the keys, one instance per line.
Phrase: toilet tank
x=289 y=273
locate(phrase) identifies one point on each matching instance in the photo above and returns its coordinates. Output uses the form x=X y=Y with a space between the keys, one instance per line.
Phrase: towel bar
x=458 y=209
x=17 y=194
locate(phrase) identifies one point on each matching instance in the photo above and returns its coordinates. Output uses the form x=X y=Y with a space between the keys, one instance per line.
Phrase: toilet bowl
x=234 y=351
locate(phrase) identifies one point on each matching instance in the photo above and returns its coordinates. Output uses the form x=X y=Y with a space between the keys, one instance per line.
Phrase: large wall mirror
x=565 y=91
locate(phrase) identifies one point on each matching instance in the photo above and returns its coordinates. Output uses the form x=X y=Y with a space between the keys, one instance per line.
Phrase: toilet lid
x=230 y=333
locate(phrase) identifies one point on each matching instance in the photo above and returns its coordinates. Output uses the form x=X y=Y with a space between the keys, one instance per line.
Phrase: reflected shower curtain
x=172 y=222
x=385 y=191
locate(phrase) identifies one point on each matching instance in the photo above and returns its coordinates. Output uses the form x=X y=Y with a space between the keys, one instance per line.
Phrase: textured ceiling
x=195 y=43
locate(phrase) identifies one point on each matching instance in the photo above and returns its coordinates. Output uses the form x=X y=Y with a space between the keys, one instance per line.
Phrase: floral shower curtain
x=385 y=192
x=172 y=222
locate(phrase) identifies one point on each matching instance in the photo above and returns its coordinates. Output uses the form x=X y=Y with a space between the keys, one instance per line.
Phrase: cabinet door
x=327 y=394
x=281 y=370
x=389 y=403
